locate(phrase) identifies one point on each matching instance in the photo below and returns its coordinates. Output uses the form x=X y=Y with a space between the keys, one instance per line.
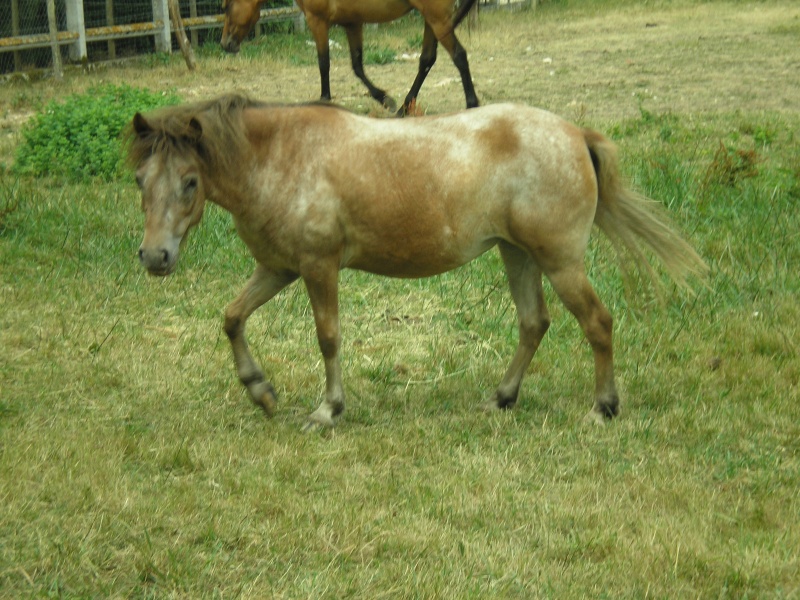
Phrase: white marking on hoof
x=595 y=418
x=320 y=419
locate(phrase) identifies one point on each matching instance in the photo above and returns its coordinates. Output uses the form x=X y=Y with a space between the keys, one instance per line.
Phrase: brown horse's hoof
x=389 y=104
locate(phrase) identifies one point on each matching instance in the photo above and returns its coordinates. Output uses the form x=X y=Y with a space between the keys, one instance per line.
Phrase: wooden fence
x=69 y=31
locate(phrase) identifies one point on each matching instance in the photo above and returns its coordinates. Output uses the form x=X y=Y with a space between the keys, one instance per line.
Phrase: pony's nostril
x=164 y=257
x=141 y=255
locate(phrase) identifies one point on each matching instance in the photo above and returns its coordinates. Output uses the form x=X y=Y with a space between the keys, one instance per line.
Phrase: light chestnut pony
x=314 y=189
x=441 y=18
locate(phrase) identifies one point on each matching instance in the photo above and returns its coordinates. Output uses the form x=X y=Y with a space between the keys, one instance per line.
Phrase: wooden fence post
x=112 y=47
x=162 y=35
x=193 y=15
x=15 y=32
x=75 y=24
x=53 y=23
x=180 y=34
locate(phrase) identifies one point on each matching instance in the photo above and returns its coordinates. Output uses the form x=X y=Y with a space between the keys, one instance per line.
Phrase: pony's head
x=169 y=176
x=240 y=18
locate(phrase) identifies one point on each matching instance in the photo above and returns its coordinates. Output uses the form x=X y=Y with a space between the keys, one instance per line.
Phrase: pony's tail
x=463 y=10
x=632 y=221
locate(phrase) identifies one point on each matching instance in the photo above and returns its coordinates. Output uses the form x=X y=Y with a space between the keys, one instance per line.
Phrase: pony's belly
x=415 y=260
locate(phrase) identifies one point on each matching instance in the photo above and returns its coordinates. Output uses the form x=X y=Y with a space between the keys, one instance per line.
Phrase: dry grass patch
x=133 y=465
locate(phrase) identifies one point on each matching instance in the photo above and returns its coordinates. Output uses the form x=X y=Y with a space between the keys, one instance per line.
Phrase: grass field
x=132 y=464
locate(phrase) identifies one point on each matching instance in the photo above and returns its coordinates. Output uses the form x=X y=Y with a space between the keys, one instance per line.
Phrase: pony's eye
x=189 y=185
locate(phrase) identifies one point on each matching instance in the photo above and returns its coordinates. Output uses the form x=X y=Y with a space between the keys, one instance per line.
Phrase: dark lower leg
x=460 y=60
x=355 y=41
x=324 y=61
x=426 y=61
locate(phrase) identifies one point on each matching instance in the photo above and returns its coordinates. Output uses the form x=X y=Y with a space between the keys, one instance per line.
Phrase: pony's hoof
x=602 y=414
x=314 y=426
x=594 y=418
x=319 y=420
x=490 y=406
x=499 y=401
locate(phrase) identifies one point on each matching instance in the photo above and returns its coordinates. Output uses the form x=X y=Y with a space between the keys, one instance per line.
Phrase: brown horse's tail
x=631 y=221
x=463 y=10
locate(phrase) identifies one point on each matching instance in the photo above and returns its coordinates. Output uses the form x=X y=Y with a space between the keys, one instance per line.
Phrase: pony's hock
x=400 y=198
x=441 y=19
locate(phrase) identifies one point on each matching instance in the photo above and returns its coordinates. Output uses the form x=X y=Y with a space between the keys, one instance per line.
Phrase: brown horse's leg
x=427 y=59
x=262 y=286
x=441 y=30
x=574 y=289
x=319 y=31
x=525 y=281
x=322 y=285
x=459 y=56
x=355 y=40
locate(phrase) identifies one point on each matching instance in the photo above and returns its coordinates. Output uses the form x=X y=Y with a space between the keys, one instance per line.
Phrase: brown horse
x=441 y=19
x=314 y=189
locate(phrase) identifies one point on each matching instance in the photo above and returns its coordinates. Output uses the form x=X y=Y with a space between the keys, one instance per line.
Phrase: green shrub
x=78 y=139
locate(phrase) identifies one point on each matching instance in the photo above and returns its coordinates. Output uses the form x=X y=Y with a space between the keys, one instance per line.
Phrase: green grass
x=132 y=463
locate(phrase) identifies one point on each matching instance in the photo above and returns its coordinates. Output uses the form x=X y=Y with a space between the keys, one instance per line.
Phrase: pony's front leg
x=322 y=286
x=262 y=286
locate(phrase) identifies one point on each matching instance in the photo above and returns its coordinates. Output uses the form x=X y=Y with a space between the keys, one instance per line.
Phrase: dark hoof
x=263 y=394
x=389 y=104
x=604 y=411
x=499 y=401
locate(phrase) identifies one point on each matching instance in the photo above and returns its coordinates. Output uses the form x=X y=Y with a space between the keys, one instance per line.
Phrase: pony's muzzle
x=158 y=261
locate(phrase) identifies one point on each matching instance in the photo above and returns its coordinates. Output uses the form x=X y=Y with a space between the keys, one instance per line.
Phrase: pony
x=314 y=189
x=441 y=18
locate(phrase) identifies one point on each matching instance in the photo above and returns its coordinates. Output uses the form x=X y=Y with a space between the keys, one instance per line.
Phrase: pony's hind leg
x=355 y=40
x=322 y=286
x=262 y=286
x=574 y=289
x=525 y=281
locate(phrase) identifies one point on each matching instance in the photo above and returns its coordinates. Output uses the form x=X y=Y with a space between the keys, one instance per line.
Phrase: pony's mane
x=175 y=128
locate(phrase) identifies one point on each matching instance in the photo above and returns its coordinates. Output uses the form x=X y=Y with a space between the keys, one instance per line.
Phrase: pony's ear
x=195 y=131
x=140 y=125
